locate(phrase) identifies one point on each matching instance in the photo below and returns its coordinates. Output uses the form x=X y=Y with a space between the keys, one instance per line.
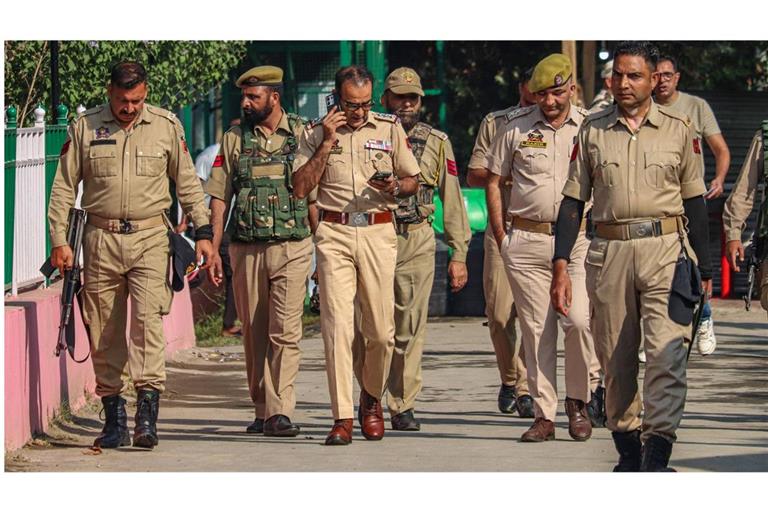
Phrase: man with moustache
x=640 y=161
x=124 y=153
x=270 y=245
x=415 y=267
x=533 y=154
x=361 y=164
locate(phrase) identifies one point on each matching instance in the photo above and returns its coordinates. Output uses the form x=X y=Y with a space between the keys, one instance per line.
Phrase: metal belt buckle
x=126 y=227
x=641 y=230
x=358 y=219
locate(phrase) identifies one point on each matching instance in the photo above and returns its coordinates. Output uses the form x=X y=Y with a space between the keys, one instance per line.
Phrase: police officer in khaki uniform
x=740 y=203
x=499 y=305
x=640 y=162
x=415 y=268
x=361 y=165
x=604 y=98
x=124 y=152
x=533 y=154
x=270 y=248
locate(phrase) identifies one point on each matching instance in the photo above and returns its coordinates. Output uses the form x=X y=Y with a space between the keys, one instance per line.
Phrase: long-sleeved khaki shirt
x=124 y=173
x=742 y=198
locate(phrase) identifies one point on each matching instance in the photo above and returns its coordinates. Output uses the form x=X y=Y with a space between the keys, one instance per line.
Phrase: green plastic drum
x=474 y=200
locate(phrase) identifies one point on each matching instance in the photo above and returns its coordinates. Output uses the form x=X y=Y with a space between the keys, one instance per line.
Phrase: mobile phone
x=379 y=175
x=332 y=100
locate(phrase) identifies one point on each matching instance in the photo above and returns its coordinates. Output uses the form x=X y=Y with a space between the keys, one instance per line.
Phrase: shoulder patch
x=675 y=114
x=520 y=112
x=392 y=118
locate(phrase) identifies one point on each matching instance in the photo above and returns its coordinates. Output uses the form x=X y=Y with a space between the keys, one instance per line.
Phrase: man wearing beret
x=361 y=165
x=124 y=153
x=270 y=247
x=642 y=164
x=532 y=152
x=415 y=270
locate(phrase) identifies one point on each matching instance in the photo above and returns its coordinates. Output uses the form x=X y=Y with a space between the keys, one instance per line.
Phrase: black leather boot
x=147 y=407
x=656 y=452
x=629 y=447
x=507 y=399
x=115 y=431
x=596 y=407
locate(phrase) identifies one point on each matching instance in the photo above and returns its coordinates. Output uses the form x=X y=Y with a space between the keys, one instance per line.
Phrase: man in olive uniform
x=640 y=162
x=353 y=157
x=739 y=205
x=415 y=270
x=270 y=248
x=124 y=152
x=499 y=305
x=532 y=152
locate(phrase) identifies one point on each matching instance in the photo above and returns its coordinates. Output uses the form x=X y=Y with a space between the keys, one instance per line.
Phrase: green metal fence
x=10 y=187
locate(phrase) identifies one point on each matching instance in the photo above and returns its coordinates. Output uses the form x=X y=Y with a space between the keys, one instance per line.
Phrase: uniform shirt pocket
x=335 y=169
x=606 y=168
x=533 y=160
x=660 y=168
x=150 y=161
x=102 y=160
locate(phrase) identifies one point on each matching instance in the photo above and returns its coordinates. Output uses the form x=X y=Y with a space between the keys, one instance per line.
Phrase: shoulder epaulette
x=581 y=110
x=440 y=135
x=314 y=122
x=392 y=118
x=674 y=114
x=599 y=114
x=520 y=112
x=91 y=111
x=163 y=113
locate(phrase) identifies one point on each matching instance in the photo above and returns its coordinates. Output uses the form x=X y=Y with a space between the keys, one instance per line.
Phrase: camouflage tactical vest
x=408 y=211
x=762 y=215
x=265 y=208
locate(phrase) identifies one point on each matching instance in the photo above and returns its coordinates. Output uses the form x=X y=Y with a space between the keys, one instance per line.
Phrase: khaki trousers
x=116 y=266
x=270 y=284
x=500 y=311
x=528 y=259
x=628 y=284
x=414 y=275
x=356 y=265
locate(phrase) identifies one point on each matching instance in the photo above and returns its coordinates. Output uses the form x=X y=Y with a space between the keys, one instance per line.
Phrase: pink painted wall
x=37 y=382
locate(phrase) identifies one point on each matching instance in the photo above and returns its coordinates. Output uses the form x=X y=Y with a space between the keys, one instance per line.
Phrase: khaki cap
x=261 y=75
x=404 y=81
x=552 y=71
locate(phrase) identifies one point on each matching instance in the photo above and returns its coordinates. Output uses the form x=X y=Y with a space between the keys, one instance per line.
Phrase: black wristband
x=204 y=233
x=567 y=227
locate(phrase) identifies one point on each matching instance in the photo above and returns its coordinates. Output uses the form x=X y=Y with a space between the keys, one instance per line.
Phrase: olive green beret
x=552 y=71
x=404 y=81
x=261 y=75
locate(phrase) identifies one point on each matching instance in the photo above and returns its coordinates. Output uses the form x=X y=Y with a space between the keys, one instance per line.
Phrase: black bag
x=183 y=260
x=686 y=290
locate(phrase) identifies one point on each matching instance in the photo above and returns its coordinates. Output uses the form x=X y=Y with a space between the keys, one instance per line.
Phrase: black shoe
x=629 y=447
x=115 y=432
x=507 y=399
x=280 y=425
x=656 y=452
x=525 y=406
x=405 y=421
x=596 y=407
x=257 y=427
x=147 y=407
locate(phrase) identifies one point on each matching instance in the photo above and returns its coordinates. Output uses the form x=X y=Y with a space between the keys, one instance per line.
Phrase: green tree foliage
x=180 y=72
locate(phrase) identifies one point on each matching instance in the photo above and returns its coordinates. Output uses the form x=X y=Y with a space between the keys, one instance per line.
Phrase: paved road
x=204 y=412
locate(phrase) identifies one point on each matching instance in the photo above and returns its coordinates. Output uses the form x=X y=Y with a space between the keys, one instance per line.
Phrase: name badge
x=383 y=145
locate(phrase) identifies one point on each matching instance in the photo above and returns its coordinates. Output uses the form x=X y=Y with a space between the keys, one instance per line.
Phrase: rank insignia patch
x=218 y=161
x=575 y=152
x=451 y=167
x=696 y=146
x=535 y=140
x=102 y=132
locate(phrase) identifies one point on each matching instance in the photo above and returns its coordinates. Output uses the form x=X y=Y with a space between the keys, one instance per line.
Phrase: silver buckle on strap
x=358 y=219
x=645 y=229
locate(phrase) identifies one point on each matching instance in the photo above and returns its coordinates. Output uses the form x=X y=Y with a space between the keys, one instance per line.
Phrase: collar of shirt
x=368 y=122
x=107 y=116
x=574 y=117
x=283 y=125
x=653 y=117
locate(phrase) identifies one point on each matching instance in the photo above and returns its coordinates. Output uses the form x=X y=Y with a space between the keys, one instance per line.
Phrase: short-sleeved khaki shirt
x=536 y=157
x=124 y=174
x=742 y=198
x=699 y=112
x=642 y=175
x=219 y=185
x=378 y=145
x=491 y=124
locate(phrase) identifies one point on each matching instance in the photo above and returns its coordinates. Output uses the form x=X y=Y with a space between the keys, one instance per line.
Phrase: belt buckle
x=358 y=219
x=126 y=227
x=641 y=230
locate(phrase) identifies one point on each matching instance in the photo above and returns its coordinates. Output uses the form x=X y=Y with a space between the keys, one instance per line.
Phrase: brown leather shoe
x=579 y=425
x=542 y=430
x=370 y=416
x=341 y=433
